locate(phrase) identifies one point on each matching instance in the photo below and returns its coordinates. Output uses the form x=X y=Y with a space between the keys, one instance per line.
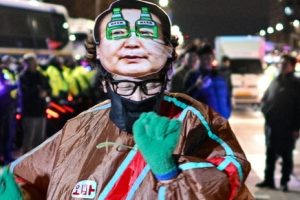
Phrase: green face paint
x=119 y=28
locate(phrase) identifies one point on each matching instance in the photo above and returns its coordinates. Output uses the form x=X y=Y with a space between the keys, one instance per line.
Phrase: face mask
x=132 y=27
x=124 y=112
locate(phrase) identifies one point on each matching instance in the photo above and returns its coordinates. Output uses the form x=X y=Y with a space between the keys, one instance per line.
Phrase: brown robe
x=212 y=162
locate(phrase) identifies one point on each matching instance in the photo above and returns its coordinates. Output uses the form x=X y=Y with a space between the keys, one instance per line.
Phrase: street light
x=175 y=30
x=296 y=23
x=288 y=11
x=270 y=30
x=279 y=26
x=262 y=32
x=72 y=37
x=163 y=3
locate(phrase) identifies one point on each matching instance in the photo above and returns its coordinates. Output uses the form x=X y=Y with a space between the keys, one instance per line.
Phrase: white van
x=246 y=54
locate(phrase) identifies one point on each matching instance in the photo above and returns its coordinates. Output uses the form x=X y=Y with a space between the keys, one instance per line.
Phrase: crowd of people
x=28 y=85
x=198 y=76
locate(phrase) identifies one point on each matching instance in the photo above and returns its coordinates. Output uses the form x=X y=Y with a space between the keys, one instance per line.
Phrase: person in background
x=72 y=81
x=281 y=109
x=207 y=86
x=150 y=144
x=224 y=70
x=98 y=94
x=190 y=62
x=79 y=81
x=33 y=89
x=8 y=103
x=57 y=81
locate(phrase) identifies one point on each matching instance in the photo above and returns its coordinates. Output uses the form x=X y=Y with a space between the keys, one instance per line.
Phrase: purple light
x=2 y=88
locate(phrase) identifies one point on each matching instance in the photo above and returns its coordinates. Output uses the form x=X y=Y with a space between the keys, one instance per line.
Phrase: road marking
x=262 y=196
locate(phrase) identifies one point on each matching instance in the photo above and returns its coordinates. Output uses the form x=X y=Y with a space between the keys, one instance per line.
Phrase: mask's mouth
x=133 y=58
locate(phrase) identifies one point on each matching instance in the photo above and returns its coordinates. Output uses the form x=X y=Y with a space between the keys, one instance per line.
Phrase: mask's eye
x=146 y=29
x=117 y=30
x=146 y=32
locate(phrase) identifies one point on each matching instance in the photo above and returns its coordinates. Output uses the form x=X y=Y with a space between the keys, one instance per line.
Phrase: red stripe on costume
x=20 y=180
x=169 y=110
x=232 y=174
x=126 y=180
x=234 y=179
x=216 y=161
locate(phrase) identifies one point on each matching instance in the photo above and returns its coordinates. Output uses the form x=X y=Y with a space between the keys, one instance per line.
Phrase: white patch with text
x=85 y=189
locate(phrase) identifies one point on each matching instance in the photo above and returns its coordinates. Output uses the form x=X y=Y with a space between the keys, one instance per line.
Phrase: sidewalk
x=264 y=194
x=248 y=127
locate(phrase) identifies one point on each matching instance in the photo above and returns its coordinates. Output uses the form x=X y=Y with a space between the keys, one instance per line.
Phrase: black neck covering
x=124 y=112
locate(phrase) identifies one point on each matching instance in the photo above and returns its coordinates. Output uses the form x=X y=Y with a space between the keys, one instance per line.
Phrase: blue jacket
x=214 y=92
x=5 y=88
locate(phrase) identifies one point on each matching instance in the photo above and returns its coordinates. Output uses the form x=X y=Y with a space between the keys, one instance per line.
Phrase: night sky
x=210 y=18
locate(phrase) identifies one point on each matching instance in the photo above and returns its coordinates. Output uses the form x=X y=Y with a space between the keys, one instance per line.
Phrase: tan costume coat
x=212 y=162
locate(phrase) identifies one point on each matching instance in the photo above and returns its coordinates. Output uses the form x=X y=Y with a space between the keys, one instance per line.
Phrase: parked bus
x=33 y=26
x=79 y=30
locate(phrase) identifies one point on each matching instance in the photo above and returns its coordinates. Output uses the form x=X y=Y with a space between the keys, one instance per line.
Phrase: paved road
x=248 y=127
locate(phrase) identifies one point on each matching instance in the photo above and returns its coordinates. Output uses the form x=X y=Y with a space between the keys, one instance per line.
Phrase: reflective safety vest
x=11 y=77
x=43 y=71
x=72 y=82
x=79 y=80
x=84 y=78
x=57 y=81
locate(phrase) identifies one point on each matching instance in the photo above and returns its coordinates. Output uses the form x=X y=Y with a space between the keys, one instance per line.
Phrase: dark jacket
x=281 y=108
x=225 y=72
x=30 y=85
x=177 y=83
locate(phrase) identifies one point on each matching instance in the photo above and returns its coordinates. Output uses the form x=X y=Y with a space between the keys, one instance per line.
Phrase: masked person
x=150 y=144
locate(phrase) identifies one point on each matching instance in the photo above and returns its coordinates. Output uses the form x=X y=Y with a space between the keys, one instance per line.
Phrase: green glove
x=9 y=189
x=156 y=138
